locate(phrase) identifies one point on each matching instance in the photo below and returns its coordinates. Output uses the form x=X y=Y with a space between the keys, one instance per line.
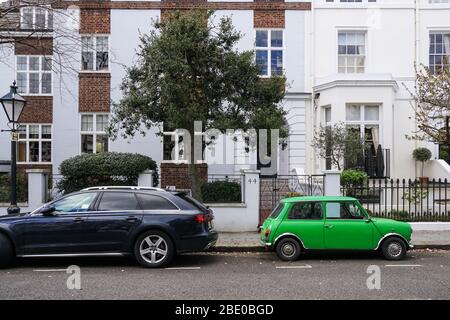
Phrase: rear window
x=276 y=212
x=196 y=205
x=152 y=202
x=118 y=201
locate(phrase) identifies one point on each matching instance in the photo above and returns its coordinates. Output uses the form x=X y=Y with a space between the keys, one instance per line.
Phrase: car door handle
x=328 y=226
x=131 y=218
x=79 y=219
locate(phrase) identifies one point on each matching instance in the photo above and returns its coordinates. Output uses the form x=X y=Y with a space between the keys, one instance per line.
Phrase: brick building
x=67 y=111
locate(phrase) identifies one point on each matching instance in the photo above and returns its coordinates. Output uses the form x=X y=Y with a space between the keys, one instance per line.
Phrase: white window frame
x=439 y=2
x=94 y=131
x=27 y=140
x=175 y=135
x=441 y=31
x=94 y=52
x=366 y=37
x=40 y=72
x=33 y=24
x=326 y=108
x=362 y=123
x=269 y=49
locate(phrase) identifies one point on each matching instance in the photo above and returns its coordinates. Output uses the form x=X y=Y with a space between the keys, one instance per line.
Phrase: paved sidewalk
x=241 y=241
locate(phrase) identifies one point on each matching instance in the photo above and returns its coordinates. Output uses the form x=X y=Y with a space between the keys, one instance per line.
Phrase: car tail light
x=202 y=218
x=267 y=234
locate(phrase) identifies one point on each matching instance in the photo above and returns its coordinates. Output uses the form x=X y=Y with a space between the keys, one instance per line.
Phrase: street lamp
x=13 y=105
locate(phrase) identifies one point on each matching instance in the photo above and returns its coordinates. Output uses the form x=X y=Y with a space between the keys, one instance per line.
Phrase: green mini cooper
x=331 y=223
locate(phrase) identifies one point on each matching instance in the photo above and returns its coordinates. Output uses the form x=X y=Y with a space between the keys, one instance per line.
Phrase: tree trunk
x=194 y=175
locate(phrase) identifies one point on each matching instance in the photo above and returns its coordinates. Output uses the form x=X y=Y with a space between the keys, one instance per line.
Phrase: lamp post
x=13 y=105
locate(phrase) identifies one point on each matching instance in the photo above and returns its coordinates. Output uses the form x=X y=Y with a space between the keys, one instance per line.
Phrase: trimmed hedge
x=221 y=192
x=5 y=188
x=101 y=169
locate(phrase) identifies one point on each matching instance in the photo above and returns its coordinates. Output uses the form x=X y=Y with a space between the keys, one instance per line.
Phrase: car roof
x=317 y=198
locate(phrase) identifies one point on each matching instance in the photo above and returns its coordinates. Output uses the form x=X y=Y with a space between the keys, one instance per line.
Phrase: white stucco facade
x=396 y=36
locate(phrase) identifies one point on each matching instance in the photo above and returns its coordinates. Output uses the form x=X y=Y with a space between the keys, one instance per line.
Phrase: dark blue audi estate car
x=150 y=223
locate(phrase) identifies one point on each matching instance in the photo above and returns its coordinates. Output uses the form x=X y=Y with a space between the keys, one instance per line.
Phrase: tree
x=422 y=155
x=338 y=144
x=188 y=70
x=432 y=109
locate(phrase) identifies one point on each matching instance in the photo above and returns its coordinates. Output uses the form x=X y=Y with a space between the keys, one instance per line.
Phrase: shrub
x=5 y=188
x=221 y=191
x=292 y=194
x=400 y=214
x=353 y=177
x=100 y=169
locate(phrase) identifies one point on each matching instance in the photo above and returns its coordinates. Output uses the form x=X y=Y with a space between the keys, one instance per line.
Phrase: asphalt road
x=424 y=275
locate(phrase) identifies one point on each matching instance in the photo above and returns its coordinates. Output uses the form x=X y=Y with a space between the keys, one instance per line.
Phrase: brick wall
x=178 y=175
x=94 y=92
x=33 y=46
x=39 y=109
x=268 y=18
x=95 y=21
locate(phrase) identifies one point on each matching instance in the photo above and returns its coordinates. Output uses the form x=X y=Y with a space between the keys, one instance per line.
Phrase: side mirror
x=48 y=210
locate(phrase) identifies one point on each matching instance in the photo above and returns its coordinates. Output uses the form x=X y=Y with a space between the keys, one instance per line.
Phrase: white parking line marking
x=183 y=268
x=294 y=267
x=50 y=270
x=403 y=265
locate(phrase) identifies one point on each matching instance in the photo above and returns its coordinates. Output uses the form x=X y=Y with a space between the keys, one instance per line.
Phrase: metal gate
x=273 y=189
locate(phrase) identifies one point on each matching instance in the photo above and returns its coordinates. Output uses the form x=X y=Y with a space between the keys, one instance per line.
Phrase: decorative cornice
x=357 y=83
x=149 y=5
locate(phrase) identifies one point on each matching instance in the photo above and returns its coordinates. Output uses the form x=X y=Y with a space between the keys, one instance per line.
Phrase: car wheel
x=288 y=249
x=6 y=252
x=154 y=249
x=394 y=249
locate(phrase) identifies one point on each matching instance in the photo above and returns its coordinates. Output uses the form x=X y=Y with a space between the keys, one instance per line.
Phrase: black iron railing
x=375 y=164
x=407 y=200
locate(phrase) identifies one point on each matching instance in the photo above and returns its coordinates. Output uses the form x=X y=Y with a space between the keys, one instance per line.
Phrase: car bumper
x=265 y=244
x=199 y=242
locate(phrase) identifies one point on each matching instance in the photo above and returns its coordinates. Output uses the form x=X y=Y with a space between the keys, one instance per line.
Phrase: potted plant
x=422 y=155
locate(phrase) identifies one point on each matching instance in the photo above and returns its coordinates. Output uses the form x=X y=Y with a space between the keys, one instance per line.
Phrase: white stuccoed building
x=362 y=70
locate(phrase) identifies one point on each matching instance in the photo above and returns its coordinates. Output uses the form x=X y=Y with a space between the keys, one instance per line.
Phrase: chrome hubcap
x=395 y=249
x=153 y=249
x=288 y=249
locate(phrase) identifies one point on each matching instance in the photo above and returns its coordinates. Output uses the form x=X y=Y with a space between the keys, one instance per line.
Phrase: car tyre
x=288 y=249
x=393 y=249
x=154 y=249
x=6 y=252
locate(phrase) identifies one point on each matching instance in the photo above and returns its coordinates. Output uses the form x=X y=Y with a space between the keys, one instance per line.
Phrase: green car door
x=347 y=226
x=305 y=220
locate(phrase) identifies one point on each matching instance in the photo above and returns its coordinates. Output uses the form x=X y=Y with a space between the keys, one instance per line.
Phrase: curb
x=432 y=246
x=263 y=249
x=238 y=249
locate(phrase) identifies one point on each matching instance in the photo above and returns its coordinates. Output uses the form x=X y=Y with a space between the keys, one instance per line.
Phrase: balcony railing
x=376 y=165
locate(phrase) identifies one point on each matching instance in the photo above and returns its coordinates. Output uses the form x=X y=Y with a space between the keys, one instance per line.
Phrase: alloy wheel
x=153 y=249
